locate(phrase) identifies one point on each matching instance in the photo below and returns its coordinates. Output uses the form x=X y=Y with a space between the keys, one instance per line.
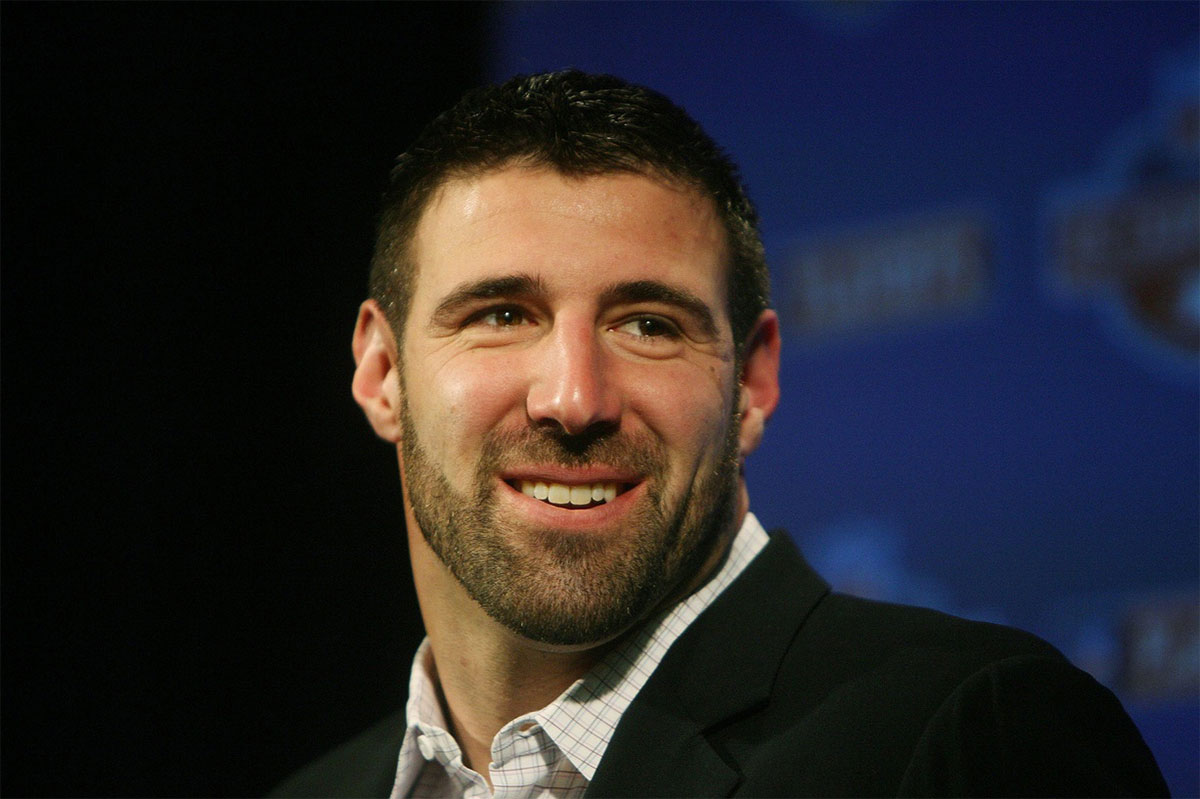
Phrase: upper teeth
x=562 y=494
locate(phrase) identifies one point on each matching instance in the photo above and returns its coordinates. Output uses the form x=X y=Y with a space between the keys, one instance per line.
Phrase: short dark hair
x=578 y=124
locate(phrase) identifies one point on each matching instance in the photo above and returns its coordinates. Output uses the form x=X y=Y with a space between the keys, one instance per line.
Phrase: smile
x=580 y=495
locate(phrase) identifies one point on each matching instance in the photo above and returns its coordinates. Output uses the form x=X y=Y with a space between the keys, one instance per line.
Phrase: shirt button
x=426 y=747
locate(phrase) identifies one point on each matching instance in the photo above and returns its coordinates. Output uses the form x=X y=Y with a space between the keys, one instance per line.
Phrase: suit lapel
x=659 y=751
x=723 y=666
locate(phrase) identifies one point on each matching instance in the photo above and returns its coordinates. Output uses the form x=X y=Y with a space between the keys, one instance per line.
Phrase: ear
x=376 y=384
x=758 y=390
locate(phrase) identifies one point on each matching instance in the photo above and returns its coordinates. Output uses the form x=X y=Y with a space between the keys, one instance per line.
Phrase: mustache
x=639 y=453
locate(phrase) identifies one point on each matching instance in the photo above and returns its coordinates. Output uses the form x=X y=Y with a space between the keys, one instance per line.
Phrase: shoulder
x=938 y=705
x=859 y=638
x=864 y=697
x=860 y=635
x=856 y=664
x=780 y=599
x=363 y=766
x=915 y=702
x=1029 y=724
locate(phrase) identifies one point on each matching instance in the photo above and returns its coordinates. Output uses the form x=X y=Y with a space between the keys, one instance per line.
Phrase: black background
x=204 y=577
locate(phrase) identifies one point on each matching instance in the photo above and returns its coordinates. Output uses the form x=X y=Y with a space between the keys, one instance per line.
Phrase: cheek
x=455 y=405
x=688 y=410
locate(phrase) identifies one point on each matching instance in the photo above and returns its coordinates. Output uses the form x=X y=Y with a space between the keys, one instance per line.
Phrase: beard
x=564 y=587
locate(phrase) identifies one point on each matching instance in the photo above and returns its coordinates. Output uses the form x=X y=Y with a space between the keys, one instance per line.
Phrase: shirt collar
x=424 y=719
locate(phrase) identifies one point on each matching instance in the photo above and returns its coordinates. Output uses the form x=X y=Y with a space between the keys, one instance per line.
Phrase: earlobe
x=376 y=383
x=758 y=392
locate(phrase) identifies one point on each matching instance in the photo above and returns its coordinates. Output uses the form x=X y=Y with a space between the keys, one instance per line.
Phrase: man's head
x=563 y=370
x=578 y=125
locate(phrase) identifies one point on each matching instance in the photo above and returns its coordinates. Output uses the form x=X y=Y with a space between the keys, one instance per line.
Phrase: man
x=569 y=344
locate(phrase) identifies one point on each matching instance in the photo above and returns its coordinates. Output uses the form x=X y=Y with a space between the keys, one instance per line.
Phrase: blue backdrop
x=982 y=226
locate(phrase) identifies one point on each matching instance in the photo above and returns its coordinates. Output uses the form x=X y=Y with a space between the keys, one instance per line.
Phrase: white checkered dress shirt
x=555 y=751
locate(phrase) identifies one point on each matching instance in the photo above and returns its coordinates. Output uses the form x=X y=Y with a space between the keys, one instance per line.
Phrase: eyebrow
x=486 y=289
x=655 y=291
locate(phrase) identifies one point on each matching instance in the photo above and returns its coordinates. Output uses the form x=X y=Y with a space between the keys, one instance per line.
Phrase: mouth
x=571 y=496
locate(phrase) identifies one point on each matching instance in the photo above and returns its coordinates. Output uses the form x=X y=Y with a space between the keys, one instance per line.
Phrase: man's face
x=568 y=395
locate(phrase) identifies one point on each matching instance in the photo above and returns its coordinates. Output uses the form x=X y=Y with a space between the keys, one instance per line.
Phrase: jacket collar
x=723 y=666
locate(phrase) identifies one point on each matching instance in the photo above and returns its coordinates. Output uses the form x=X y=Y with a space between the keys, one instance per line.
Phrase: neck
x=494 y=684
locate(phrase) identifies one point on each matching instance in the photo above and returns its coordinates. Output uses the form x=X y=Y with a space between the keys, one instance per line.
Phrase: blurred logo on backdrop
x=1161 y=649
x=844 y=16
x=920 y=268
x=1144 y=646
x=1128 y=237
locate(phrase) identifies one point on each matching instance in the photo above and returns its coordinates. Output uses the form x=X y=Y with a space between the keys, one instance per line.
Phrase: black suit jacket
x=782 y=688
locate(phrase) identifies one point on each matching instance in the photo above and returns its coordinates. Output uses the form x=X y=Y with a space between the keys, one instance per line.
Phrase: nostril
x=580 y=442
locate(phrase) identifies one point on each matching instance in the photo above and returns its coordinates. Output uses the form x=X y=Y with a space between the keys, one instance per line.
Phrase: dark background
x=204 y=576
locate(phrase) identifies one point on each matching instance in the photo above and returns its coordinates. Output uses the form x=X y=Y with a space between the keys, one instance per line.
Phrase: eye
x=649 y=327
x=501 y=317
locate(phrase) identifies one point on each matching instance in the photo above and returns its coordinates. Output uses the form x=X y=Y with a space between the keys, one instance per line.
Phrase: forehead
x=537 y=221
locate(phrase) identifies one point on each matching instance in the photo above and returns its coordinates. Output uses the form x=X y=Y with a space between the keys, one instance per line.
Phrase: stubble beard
x=563 y=587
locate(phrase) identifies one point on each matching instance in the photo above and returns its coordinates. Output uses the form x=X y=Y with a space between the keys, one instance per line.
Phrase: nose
x=572 y=385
